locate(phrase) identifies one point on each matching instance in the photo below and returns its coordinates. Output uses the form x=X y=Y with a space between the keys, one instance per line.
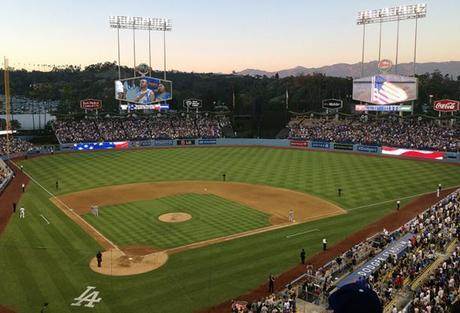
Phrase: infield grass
x=136 y=223
x=42 y=262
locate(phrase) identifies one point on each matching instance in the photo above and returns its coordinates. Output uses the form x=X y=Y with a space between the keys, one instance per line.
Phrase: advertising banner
x=370 y=149
x=140 y=143
x=383 y=108
x=446 y=105
x=397 y=248
x=163 y=143
x=298 y=143
x=422 y=154
x=91 y=104
x=320 y=144
x=101 y=145
x=207 y=141
x=185 y=142
x=154 y=107
x=332 y=104
x=343 y=146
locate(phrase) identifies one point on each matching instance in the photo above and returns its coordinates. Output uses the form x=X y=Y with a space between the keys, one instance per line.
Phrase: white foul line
x=402 y=198
x=44 y=218
x=69 y=208
x=301 y=233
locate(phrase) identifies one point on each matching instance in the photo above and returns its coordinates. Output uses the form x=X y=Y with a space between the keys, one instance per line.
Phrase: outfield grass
x=41 y=262
x=137 y=223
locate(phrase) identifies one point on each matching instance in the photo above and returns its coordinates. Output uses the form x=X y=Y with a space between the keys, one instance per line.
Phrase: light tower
x=141 y=23
x=6 y=75
x=394 y=14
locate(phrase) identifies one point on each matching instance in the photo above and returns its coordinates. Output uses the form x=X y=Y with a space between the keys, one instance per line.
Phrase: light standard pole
x=141 y=23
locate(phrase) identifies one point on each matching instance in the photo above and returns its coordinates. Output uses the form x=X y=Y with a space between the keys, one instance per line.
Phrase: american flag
x=385 y=92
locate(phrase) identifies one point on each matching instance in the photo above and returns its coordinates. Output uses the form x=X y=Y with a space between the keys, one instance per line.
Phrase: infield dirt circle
x=175 y=217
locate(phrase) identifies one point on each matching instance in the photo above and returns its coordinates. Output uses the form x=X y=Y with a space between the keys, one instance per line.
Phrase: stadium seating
x=410 y=133
x=164 y=127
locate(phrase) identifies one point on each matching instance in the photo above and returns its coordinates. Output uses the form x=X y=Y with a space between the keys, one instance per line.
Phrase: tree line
x=263 y=101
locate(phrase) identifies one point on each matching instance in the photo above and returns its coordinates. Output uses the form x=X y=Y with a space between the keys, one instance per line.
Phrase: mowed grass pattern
x=49 y=263
x=137 y=223
x=364 y=180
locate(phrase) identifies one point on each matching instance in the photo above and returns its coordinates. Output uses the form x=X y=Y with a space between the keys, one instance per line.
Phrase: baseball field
x=174 y=236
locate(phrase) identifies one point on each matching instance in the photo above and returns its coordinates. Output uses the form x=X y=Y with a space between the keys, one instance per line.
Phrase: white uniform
x=291 y=216
x=22 y=213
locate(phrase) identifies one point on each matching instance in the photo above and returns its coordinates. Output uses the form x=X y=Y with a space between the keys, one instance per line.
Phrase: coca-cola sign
x=446 y=105
x=91 y=104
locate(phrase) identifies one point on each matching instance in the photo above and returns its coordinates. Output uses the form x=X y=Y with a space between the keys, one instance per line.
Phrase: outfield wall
x=286 y=143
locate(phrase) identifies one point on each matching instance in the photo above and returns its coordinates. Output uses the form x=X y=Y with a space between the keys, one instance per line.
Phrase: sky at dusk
x=221 y=35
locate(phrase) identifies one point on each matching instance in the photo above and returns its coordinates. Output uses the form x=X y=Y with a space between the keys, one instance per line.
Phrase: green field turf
x=49 y=262
x=137 y=223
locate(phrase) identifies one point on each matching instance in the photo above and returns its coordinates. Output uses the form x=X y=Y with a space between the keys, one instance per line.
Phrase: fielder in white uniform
x=291 y=215
x=22 y=213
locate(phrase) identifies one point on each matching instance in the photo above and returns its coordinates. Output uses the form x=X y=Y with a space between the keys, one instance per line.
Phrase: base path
x=391 y=222
x=118 y=262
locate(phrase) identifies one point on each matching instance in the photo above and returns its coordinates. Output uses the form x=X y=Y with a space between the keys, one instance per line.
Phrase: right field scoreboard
x=385 y=89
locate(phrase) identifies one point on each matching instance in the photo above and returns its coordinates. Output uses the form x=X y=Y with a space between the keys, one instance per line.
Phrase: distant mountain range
x=354 y=70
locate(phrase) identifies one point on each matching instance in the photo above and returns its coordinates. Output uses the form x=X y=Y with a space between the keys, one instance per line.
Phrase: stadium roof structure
x=402 y=12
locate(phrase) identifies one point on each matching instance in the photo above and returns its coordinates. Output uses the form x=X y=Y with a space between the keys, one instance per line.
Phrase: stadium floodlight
x=393 y=14
x=403 y=12
x=141 y=23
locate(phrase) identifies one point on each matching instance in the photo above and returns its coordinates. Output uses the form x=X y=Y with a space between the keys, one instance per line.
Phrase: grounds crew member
x=99 y=258
x=302 y=256
x=23 y=186
x=398 y=205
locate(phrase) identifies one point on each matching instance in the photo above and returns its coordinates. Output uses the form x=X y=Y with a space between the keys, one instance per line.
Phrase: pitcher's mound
x=117 y=263
x=174 y=217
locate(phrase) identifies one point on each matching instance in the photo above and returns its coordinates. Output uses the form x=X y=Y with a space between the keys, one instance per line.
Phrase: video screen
x=385 y=89
x=143 y=90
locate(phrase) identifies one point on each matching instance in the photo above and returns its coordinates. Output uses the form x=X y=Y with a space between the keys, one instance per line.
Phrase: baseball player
x=22 y=213
x=291 y=216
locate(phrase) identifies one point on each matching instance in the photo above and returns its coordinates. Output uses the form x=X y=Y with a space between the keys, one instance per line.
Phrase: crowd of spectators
x=441 y=290
x=164 y=127
x=410 y=133
x=433 y=231
x=284 y=302
x=4 y=174
x=16 y=145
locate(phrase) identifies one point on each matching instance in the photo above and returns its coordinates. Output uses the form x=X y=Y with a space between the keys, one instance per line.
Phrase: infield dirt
x=275 y=201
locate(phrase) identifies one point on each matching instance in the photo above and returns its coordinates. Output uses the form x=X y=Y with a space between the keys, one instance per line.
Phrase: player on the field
x=291 y=216
x=22 y=213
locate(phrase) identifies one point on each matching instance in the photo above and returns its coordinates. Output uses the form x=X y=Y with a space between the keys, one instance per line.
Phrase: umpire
x=99 y=258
